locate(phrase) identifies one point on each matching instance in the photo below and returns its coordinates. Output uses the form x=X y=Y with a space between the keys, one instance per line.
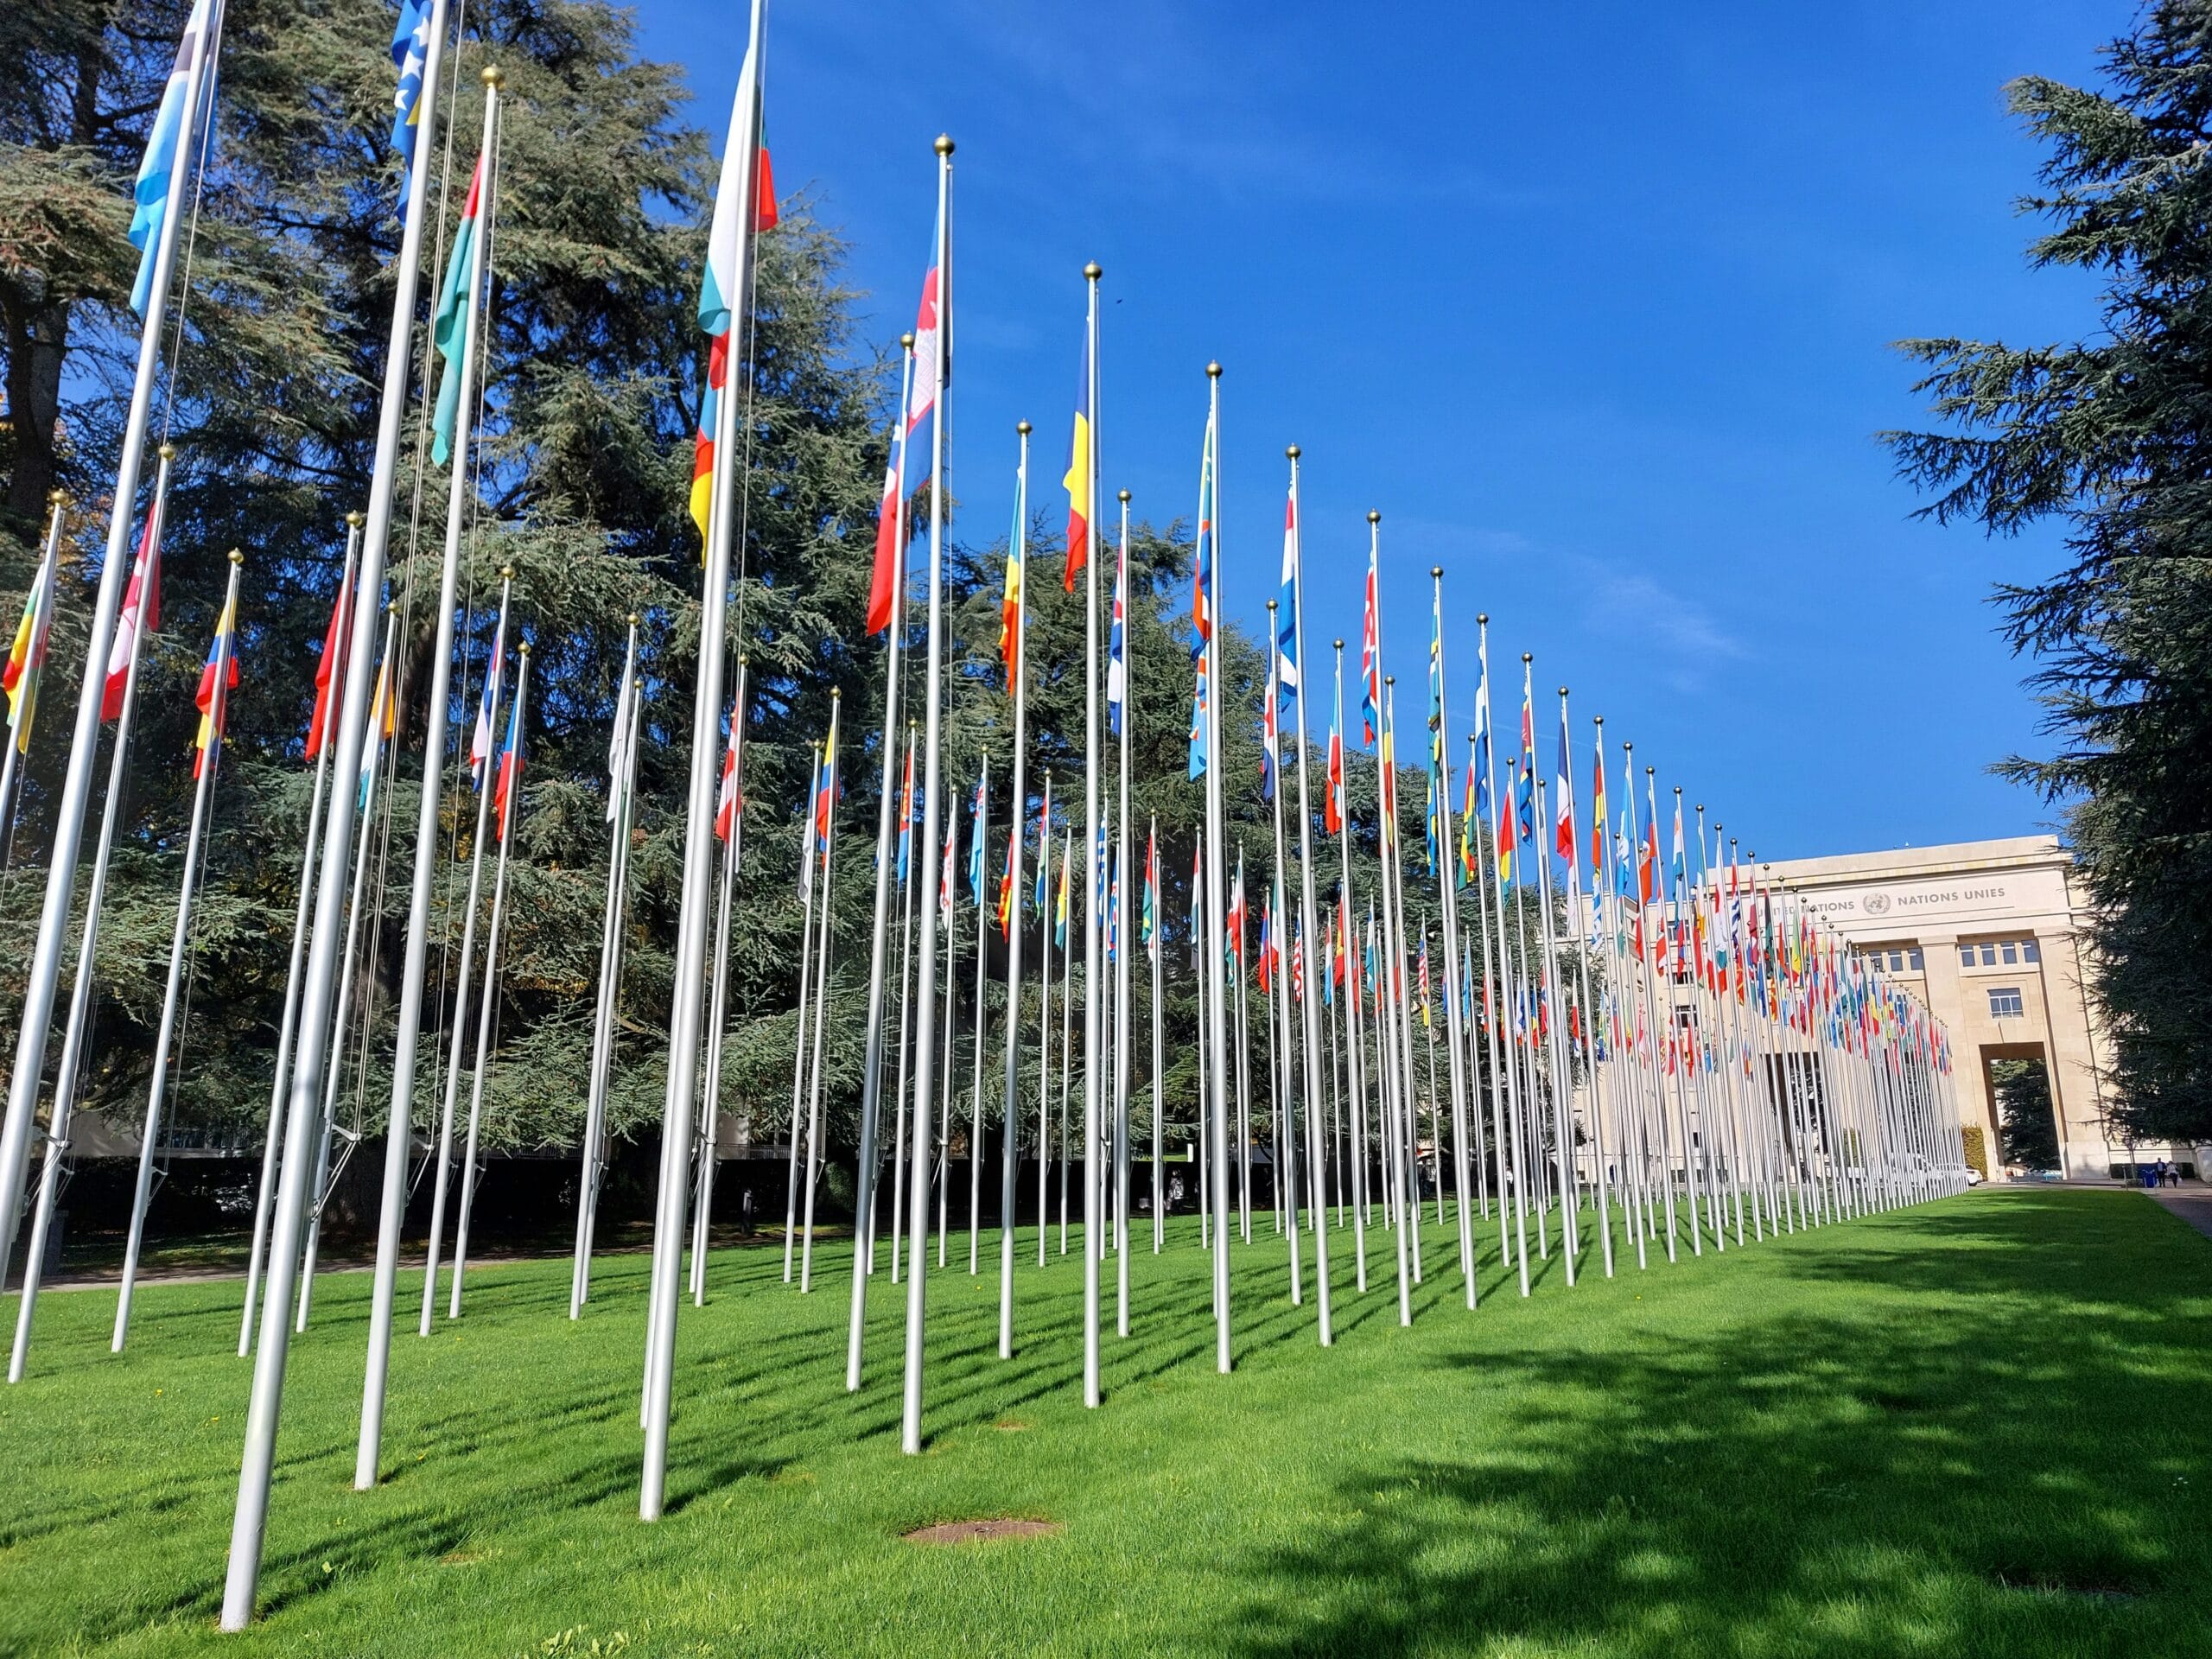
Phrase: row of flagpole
x=1717 y=1051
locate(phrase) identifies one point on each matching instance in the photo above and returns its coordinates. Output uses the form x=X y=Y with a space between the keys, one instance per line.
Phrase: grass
x=1974 y=1427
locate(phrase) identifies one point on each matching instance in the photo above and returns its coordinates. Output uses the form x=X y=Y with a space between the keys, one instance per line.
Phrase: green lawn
x=1975 y=1427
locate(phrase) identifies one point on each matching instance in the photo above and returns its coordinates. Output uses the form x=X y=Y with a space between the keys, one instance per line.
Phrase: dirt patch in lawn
x=970 y=1532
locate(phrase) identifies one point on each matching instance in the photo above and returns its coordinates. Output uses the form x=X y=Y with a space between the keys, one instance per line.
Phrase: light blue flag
x=151 y=199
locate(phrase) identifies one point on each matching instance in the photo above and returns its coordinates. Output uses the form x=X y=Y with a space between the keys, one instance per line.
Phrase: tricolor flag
x=383 y=722
x=1266 y=962
x=26 y=655
x=487 y=706
x=1597 y=819
x=727 y=801
x=906 y=811
x=976 y=844
x=195 y=55
x=450 y=329
x=326 y=679
x=1005 y=877
x=1060 y=904
x=1286 y=604
x=1076 y=480
x=1044 y=841
x=1117 y=639
x=213 y=698
x=1270 y=747
x=508 y=790
x=826 y=791
x=141 y=612
x=1332 y=797
x=1563 y=798
x=719 y=286
x=1151 y=916
x=1371 y=658
x=411 y=51
x=1010 y=612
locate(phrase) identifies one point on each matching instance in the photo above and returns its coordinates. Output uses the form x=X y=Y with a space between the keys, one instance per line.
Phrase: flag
x=1371 y=657
x=1426 y=1021
x=411 y=49
x=1076 y=480
x=141 y=612
x=1297 y=965
x=1470 y=813
x=1597 y=819
x=449 y=328
x=1332 y=797
x=1117 y=639
x=1113 y=909
x=906 y=812
x=944 y=885
x=1563 y=798
x=1440 y=773
x=1010 y=615
x=26 y=655
x=1266 y=962
x=1286 y=604
x=164 y=142
x=825 y=789
x=213 y=701
x=976 y=844
x=488 y=705
x=1060 y=905
x=383 y=722
x=1525 y=775
x=1006 y=877
x=1203 y=549
x=508 y=790
x=1044 y=833
x=1151 y=914
x=719 y=286
x=1198 y=719
x=326 y=668
x=1679 y=886
x=1270 y=747
x=618 y=744
x=1198 y=926
x=727 y=802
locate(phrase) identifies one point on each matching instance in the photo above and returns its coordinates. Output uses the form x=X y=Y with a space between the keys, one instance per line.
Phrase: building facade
x=1984 y=932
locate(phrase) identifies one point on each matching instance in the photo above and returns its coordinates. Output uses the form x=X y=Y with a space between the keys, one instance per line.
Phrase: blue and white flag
x=487 y=707
x=410 y=52
x=150 y=208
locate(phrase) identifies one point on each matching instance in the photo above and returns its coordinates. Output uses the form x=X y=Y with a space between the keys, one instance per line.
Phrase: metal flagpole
x=1284 y=1129
x=1122 y=688
x=1093 y=1036
x=621 y=783
x=879 y=955
x=826 y=832
x=80 y=995
x=1562 y=1108
x=274 y=1143
x=899 y=1112
x=1158 y=1096
x=45 y=973
x=1591 y=1013
x=311 y=1055
x=1217 y=1035
x=910 y=1437
x=1043 y=1017
x=1243 y=1054
x=718 y=997
x=690 y=967
x=349 y=960
x=1067 y=1029
x=949 y=902
x=976 y=1055
x=1455 y=1016
x=425 y=853
x=1355 y=1040
x=398 y=1141
x=487 y=1013
x=806 y=884
x=209 y=759
x=1503 y=1058
x=1010 y=1106
x=1308 y=924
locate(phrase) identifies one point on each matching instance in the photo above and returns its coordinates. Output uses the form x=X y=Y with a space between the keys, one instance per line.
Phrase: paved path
x=2192 y=1205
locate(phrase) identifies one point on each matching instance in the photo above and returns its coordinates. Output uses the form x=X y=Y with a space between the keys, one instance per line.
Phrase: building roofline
x=2015 y=852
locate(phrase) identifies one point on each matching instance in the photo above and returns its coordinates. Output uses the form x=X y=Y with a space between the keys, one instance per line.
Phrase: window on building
x=1897 y=962
x=1912 y=959
x=1965 y=956
x=2005 y=1003
x=2010 y=951
x=1989 y=955
x=2031 y=952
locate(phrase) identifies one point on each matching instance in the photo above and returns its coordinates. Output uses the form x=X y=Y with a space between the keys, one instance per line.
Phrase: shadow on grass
x=1978 y=1432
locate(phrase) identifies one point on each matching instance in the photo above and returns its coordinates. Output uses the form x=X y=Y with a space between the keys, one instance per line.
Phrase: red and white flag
x=142 y=610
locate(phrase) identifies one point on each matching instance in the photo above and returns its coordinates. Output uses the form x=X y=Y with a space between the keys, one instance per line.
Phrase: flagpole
x=1508 y=1130
x=1589 y=1007
x=1067 y=1023
x=1455 y=1017
x=1308 y=925
x=203 y=789
x=826 y=831
x=1284 y=1130
x=690 y=965
x=1125 y=721
x=975 y=1050
x=910 y=882
x=621 y=782
x=1158 y=1097
x=1354 y=1039
x=1046 y=917
x=399 y=1137
x=1218 y=1036
x=488 y=1012
x=910 y=1437
x=258 y=1463
x=718 y=1008
x=80 y=995
x=1010 y=1105
x=464 y=986
x=349 y=961
x=879 y=954
x=44 y=977
x=807 y=857
x=949 y=901
x=1093 y=1036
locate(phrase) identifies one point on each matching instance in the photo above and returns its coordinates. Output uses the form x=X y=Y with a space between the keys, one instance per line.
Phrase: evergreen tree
x=2111 y=435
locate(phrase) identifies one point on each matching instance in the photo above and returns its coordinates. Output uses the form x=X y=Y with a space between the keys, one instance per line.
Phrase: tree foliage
x=2111 y=435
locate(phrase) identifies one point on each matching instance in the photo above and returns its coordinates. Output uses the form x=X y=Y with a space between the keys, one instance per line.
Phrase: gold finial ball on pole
x=1123 y=496
x=1389 y=679
x=236 y=557
x=1271 y=605
x=166 y=450
x=55 y=497
x=1482 y=618
x=1340 y=645
x=944 y=145
x=392 y=606
x=506 y=573
x=1527 y=657
x=356 y=518
x=1562 y=690
x=495 y=76
x=1373 y=517
x=1213 y=371
x=907 y=340
x=635 y=619
x=1092 y=270
x=835 y=693
x=1023 y=427
x=524 y=648
x=1436 y=572
x=1294 y=452
x=744 y=658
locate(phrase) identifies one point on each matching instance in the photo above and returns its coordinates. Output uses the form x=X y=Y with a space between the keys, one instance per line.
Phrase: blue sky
x=1592 y=304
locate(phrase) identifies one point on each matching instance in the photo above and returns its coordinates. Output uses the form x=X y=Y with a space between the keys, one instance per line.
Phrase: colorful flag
x=945 y=891
x=1117 y=639
x=508 y=790
x=1563 y=798
x=326 y=667
x=906 y=812
x=1044 y=836
x=1010 y=612
x=487 y=706
x=1287 y=605
x=1202 y=560
x=825 y=789
x=1006 y=877
x=1371 y=657
x=1525 y=775
x=1597 y=819
x=165 y=142
x=727 y=803
x=1060 y=905
x=1076 y=480
x=26 y=655
x=976 y=808
x=1270 y=746
x=1332 y=797
x=213 y=701
x=1198 y=719
x=1266 y=962
x=1426 y=1021
x=450 y=329
x=1151 y=916
x=719 y=285
x=383 y=722
x=1440 y=772
x=141 y=612
x=411 y=49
